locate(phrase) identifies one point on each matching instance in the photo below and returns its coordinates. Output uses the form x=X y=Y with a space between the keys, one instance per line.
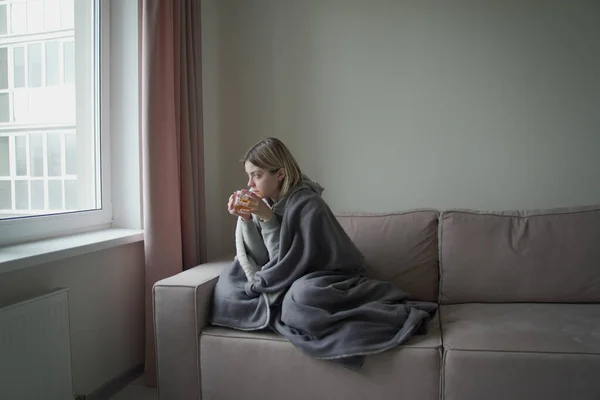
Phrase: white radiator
x=35 y=349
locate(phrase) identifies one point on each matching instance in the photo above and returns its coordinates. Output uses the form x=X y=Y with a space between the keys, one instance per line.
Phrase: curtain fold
x=172 y=147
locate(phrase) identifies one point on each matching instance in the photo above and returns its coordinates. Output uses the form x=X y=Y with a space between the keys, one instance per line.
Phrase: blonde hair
x=271 y=154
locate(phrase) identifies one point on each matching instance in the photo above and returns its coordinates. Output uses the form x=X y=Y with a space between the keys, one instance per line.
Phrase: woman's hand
x=258 y=207
x=244 y=216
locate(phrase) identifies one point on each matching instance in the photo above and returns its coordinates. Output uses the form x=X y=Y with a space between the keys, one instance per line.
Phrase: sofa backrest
x=535 y=256
x=400 y=248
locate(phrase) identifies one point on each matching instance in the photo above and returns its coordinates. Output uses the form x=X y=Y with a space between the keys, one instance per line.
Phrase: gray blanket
x=315 y=293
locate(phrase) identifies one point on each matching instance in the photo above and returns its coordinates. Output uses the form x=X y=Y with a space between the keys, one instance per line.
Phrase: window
x=50 y=136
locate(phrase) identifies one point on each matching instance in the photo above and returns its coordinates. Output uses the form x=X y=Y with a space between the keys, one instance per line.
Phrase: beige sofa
x=519 y=316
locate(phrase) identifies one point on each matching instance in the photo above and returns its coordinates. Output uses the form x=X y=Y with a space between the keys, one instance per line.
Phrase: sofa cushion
x=259 y=365
x=400 y=248
x=554 y=328
x=498 y=375
x=521 y=351
x=535 y=256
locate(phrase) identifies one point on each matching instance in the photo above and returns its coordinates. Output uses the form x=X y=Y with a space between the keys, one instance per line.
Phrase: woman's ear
x=281 y=174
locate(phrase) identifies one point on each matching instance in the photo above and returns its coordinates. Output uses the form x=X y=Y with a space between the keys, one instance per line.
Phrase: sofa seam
x=443 y=373
x=385 y=214
x=234 y=336
x=158 y=285
x=198 y=349
x=441 y=326
x=498 y=214
x=443 y=356
x=440 y=264
x=448 y=349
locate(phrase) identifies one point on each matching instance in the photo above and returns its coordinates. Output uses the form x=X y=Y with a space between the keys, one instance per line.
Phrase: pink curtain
x=171 y=120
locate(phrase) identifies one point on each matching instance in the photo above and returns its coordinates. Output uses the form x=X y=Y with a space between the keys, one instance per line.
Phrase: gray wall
x=106 y=308
x=394 y=105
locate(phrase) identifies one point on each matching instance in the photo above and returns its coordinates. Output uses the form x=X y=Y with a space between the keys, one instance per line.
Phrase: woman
x=297 y=272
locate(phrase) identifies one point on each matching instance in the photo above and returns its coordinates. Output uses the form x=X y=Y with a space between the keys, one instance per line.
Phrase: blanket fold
x=314 y=292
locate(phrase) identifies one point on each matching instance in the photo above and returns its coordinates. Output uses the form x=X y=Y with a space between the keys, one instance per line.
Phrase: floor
x=136 y=391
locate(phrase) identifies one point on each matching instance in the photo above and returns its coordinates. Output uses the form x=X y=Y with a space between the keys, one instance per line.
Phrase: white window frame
x=13 y=231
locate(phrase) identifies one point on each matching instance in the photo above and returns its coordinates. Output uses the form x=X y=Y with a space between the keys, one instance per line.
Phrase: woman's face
x=263 y=181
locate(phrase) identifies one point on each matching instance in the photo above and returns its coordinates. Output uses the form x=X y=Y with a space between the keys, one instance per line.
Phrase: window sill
x=27 y=255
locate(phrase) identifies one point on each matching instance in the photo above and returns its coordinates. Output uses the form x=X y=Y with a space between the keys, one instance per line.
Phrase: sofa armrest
x=181 y=306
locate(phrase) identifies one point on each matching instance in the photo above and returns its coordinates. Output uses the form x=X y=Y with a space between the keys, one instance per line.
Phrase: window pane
x=34 y=56
x=36 y=155
x=18 y=18
x=3 y=20
x=52 y=15
x=5 y=195
x=71 y=194
x=20 y=106
x=68 y=14
x=35 y=16
x=52 y=63
x=4 y=157
x=54 y=154
x=37 y=195
x=4 y=108
x=21 y=155
x=19 y=66
x=3 y=68
x=21 y=195
x=71 y=154
x=55 y=195
x=69 y=60
x=50 y=82
x=53 y=105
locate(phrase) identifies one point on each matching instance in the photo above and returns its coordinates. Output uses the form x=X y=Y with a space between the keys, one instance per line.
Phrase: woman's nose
x=250 y=183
